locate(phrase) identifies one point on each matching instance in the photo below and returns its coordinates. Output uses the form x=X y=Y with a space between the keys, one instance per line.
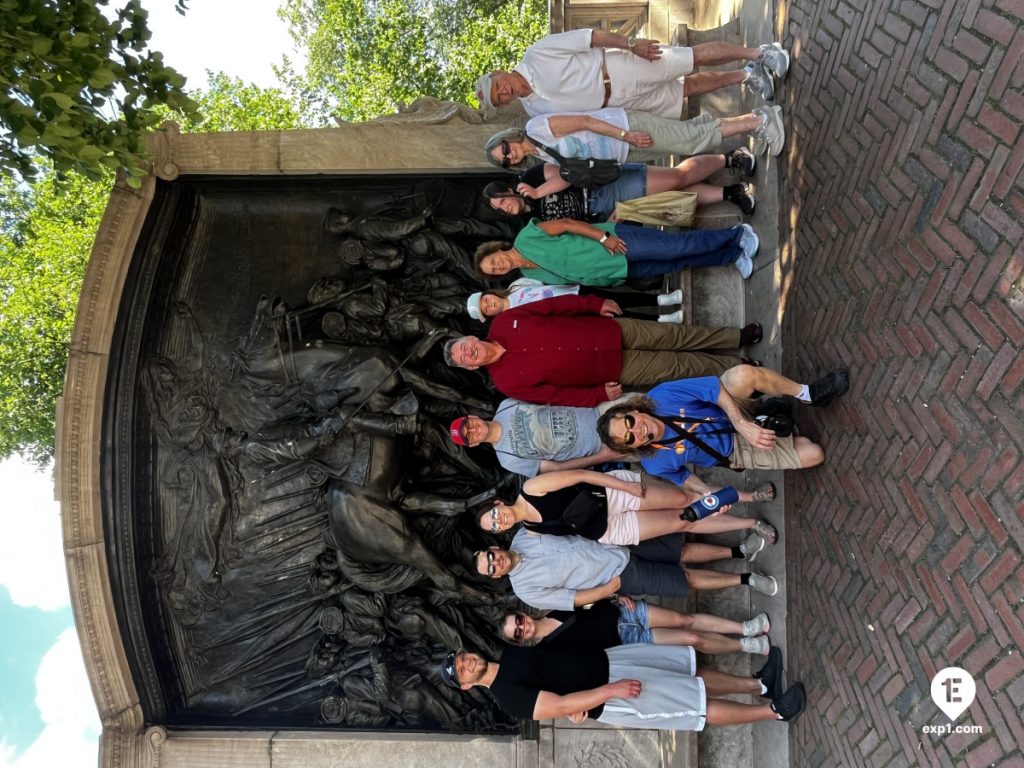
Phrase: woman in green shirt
x=570 y=251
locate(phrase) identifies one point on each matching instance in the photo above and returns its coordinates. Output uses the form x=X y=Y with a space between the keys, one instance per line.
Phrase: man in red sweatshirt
x=574 y=350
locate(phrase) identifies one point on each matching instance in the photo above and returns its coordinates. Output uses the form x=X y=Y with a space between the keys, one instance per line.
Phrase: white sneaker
x=749 y=241
x=758 y=645
x=668 y=299
x=759 y=625
x=672 y=317
x=771 y=134
x=745 y=265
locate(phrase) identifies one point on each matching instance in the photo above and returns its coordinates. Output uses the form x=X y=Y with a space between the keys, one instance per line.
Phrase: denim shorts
x=634 y=626
x=632 y=183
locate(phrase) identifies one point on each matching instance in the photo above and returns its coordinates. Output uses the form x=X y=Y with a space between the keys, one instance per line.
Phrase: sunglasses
x=506 y=151
x=517 y=634
x=495 y=524
x=449 y=668
x=629 y=422
x=490 y=562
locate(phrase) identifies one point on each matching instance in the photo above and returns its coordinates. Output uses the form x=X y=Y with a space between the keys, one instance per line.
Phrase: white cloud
x=31 y=549
x=71 y=726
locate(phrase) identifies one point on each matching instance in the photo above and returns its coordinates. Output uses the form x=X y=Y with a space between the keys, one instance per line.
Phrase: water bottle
x=710 y=504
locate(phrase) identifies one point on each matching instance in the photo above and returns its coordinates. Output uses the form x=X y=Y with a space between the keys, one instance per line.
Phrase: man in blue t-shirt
x=709 y=422
x=529 y=438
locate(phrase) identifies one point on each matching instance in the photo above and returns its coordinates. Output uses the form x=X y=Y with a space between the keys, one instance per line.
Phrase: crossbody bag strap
x=684 y=435
x=550 y=150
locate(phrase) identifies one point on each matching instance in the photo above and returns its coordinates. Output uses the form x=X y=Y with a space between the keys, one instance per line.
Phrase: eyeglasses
x=517 y=634
x=490 y=562
x=495 y=525
x=629 y=422
x=506 y=151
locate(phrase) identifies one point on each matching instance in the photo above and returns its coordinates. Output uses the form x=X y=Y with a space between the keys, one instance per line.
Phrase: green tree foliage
x=365 y=57
x=228 y=104
x=45 y=239
x=46 y=234
x=79 y=89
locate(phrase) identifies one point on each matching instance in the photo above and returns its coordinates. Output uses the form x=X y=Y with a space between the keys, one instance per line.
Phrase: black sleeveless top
x=570 y=203
x=579 y=510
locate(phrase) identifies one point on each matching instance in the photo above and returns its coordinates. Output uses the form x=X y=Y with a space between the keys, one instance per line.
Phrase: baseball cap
x=455 y=431
x=473 y=306
x=483 y=91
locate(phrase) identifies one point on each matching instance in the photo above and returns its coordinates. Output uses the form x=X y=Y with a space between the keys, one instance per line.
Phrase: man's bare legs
x=700 y=83
x=744 y=380
x=698 y=579
x=704 y=553
x=718 y=52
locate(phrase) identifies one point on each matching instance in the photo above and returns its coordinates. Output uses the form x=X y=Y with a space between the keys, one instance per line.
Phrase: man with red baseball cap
x=530 y=438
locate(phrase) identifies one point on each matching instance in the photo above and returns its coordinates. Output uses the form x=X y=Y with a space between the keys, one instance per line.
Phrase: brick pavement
x=901 y=222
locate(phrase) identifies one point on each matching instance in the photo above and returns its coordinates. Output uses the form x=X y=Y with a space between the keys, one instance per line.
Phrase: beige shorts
x=746 y=456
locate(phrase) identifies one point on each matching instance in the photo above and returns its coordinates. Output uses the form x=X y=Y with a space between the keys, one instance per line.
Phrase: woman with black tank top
x=623 y=621
x=609 y=507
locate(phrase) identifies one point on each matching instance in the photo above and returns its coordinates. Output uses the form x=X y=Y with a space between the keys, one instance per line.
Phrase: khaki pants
x=653 y=353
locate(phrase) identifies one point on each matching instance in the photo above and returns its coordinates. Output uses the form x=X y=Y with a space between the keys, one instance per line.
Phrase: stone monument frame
x=437 y=138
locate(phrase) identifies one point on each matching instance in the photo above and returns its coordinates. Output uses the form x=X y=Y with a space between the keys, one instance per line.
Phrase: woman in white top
x=615 y=134
x=484 y=305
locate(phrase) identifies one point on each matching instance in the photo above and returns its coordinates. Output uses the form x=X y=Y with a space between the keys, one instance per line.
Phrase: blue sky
x=47 y=714
x=21 y=652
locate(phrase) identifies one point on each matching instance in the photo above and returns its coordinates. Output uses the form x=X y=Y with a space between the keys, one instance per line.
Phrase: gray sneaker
x=771 y=134
x=765 y=584
x=759 y=81
x=759 y=625
x=758 y=645
x=751 y=547
x=775 y=59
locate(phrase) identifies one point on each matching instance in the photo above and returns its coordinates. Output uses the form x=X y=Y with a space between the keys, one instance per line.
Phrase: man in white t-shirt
x=588 y=69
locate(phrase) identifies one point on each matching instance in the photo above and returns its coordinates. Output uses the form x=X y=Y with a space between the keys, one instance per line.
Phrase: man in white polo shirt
x=573 y=72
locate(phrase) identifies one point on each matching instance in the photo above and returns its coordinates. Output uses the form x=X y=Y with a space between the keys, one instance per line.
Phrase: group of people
x=589 y=379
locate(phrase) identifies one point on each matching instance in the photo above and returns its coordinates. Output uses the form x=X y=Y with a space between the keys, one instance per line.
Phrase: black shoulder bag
x=582 y=171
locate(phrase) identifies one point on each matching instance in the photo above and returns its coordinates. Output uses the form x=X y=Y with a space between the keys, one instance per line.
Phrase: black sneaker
x=751 y=334
x=790 y=705
x=740 y=196
x=829 y=387
x=771 y=674
x=743 y=160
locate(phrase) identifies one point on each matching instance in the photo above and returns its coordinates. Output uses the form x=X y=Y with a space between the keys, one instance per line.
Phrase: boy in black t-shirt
x=646 y=686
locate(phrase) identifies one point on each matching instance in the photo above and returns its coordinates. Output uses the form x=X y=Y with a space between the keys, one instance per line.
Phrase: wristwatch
x=631 y=42
x=604 y=237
